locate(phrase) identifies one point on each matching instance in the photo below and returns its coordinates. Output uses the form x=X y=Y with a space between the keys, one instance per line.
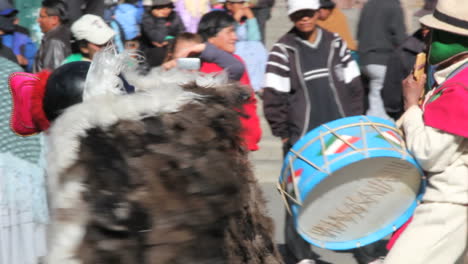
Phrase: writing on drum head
x=356 y=207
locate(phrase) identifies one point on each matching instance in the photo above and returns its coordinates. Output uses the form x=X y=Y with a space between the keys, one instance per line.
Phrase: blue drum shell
x=354 y=182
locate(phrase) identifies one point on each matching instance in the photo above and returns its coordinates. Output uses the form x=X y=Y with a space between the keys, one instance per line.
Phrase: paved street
x=267 y=161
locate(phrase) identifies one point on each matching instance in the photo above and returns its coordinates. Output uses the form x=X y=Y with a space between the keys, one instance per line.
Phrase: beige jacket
x=443 y=156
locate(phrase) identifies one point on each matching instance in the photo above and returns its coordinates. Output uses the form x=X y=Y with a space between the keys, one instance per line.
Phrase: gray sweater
x=381 y=29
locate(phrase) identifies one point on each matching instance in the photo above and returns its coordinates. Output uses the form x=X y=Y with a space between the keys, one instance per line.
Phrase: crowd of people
x=315 y=73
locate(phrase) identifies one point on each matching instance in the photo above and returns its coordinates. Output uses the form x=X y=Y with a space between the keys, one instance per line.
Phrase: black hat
x=327 y=4
x=6 y=8
x=65 y=88
x=161 y=2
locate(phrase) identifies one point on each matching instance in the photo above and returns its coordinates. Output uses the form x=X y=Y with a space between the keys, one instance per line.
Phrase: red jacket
x=251 y=124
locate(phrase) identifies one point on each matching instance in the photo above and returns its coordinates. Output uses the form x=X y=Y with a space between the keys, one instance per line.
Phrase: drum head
x=345 y=195
x=362 y=205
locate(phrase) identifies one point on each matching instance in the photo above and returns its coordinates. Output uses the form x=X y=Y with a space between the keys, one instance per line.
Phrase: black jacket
x=157 y=29
x=381 y=29
x=55 y=47
x=288 y=112
x=7 y=53
x=399 y=66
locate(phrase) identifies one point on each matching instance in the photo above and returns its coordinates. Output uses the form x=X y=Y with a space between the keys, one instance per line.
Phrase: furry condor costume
x=157 y=176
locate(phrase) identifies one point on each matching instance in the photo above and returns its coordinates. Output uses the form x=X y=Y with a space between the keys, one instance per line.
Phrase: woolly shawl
x=81 y=133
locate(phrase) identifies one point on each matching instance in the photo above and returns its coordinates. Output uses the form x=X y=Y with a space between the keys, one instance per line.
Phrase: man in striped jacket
x=311 y=79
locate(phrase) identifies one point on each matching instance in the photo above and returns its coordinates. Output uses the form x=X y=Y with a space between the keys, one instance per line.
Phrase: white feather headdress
x=103 y=75
x=107 y=69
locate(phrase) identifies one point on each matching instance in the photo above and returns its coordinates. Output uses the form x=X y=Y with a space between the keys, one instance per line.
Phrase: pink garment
x=447 y=109
x=27 y=92
x=397 y=234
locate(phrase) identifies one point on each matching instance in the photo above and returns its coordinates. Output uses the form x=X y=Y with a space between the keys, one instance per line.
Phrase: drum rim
x=356 y=243
x=376 y=235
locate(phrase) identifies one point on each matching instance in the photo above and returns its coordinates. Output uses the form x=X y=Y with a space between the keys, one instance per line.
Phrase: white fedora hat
x=449 y=15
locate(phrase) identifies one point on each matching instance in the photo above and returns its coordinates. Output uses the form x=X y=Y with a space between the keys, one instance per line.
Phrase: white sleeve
x=432 y=148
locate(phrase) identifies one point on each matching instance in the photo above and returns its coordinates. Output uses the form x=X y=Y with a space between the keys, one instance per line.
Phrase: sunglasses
x=296 y=16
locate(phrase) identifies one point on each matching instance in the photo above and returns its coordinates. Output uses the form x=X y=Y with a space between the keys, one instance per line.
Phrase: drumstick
x=418 y=71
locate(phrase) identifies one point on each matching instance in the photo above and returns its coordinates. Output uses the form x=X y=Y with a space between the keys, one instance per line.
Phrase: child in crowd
x=125 y=18
x=189 y=45
x=160 y=25
x=128 y=16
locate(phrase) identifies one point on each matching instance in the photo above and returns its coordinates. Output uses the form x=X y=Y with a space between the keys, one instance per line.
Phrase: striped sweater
x=287 y=96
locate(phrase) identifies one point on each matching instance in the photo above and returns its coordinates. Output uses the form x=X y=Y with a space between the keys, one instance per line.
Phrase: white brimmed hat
x=296 y=5
x=449 y=15
x=93 y=29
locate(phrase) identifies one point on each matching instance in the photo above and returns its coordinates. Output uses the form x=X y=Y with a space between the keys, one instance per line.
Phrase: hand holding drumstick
x=413 y=85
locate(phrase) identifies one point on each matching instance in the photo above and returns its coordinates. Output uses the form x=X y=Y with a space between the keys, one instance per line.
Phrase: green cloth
x=74 y=57
x=445 y=45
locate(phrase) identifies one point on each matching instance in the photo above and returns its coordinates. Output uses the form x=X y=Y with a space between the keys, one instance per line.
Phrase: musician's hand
x=412 y=90
x=284 y=140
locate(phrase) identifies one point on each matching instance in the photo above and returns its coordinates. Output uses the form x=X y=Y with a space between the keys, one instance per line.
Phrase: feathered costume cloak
x=158 y=176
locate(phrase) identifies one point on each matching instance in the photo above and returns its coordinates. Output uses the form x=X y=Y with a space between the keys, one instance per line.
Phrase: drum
x=350 y=182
